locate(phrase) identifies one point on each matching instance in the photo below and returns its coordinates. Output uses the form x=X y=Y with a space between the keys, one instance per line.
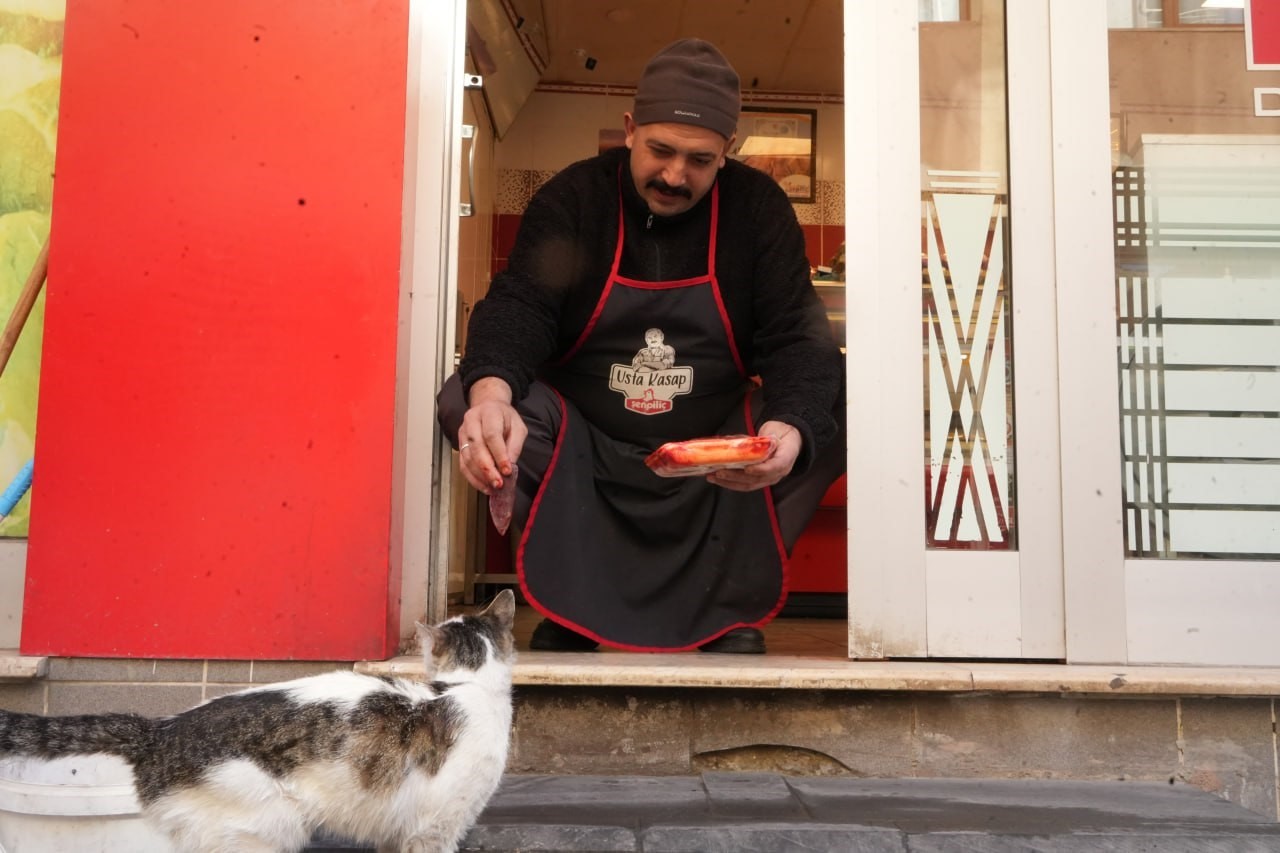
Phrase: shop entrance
x=1057 y=307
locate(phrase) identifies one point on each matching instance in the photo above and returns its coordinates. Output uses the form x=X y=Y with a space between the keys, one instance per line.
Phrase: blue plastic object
x=16 y=489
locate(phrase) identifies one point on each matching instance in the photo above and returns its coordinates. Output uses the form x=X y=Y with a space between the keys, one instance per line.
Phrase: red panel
x=837 y=494
x=505 y=226
x=217 y=397
x=1264 y=32
x=813 y=244
x=819 y=559
x=832 y=239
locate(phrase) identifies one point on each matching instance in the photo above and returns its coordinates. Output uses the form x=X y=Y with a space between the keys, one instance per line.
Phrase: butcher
x=656 y=293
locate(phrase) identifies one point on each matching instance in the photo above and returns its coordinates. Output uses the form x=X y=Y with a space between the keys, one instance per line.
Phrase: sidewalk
x=770 y=813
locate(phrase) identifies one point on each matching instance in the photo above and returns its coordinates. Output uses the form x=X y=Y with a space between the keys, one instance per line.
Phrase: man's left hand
x=771 y=470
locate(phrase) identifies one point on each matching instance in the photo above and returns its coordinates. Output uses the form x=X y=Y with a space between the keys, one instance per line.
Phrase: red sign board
x=1262 y=34
x=218 y=379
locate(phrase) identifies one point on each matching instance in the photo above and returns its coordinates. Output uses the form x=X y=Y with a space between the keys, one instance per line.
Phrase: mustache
x=663 y=187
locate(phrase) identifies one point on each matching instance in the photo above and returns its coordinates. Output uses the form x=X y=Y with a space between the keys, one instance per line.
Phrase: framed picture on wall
x=780 y=143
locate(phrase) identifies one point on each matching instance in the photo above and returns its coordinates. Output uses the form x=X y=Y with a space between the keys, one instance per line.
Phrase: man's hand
x=491 y=436
x=771 y=470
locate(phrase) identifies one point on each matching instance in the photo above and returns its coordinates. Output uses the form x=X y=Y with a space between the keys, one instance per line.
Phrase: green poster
x=30 y=75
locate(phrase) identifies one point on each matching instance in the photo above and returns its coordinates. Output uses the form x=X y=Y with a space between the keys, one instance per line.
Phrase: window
x=1146 y=14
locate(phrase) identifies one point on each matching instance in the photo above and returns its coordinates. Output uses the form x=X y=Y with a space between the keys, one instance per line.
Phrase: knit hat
x=689 y=82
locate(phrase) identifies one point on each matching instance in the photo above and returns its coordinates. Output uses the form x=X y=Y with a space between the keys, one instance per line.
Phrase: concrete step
x=771 y=813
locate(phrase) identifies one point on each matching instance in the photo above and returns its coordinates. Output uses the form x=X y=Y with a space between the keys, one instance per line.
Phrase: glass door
x=1098 y=306
x=1192 y=399
x=954 y=487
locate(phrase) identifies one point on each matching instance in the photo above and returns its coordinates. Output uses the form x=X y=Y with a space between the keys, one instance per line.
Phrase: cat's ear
x=429 y=637
x=502 y=610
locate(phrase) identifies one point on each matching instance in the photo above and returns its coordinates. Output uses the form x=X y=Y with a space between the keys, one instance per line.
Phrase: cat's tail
x=125 y=735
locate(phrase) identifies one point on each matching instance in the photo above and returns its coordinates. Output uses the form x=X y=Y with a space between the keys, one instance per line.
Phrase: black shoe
x=551 y=636
x=739 y=641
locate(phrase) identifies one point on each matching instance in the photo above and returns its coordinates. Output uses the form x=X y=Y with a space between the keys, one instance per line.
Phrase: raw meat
x=702 y=455
x=503 y=501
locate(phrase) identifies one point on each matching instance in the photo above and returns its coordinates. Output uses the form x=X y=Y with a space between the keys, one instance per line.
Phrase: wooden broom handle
x=22 y=309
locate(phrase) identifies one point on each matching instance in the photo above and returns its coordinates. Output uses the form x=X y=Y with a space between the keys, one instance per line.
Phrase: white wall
x=13 y=562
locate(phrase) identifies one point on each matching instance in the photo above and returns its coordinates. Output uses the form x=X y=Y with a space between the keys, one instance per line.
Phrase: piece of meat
x=503 y=501
x=702 y=455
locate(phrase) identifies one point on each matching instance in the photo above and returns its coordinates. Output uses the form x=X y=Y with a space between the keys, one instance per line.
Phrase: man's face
x=673 y=165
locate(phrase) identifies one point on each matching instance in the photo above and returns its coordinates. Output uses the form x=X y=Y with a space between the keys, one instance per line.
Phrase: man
x=671 y=242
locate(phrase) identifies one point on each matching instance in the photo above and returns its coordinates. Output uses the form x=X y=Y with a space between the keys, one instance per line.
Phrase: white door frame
x=1093 y=541
x=882 y=259
x=428 y=300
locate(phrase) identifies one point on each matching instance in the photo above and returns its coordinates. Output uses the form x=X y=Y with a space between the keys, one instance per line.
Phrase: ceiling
x=776 y=45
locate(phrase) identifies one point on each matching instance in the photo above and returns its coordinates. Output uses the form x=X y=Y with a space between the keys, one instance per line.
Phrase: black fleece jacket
x=538 y=306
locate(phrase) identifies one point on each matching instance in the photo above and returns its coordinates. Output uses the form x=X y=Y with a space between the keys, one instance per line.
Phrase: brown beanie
x=689 y=82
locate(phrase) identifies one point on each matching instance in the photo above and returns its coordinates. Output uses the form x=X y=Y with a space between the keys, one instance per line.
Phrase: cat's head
x=468 y=643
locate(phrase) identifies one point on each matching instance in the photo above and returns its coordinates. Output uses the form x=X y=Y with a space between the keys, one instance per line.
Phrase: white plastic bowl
x=83 y=804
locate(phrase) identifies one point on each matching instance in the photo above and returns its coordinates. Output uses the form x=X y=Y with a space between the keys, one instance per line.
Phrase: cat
x=407 y=766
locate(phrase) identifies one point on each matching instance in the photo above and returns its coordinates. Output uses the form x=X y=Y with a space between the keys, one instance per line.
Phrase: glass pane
x=1200 y=12
x=1197 y=240
x=1191 y=13
x=967 y=333
x=939 y=10
x=1135 y=13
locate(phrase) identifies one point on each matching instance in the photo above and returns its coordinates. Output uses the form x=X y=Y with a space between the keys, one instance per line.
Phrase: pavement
x=772 y=813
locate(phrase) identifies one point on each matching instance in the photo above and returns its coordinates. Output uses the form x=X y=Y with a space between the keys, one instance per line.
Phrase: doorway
x=588 y=56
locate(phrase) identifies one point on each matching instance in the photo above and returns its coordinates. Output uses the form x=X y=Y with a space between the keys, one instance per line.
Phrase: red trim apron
x=612 y=550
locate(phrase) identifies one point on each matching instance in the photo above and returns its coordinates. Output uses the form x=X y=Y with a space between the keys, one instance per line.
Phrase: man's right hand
x=491 y=436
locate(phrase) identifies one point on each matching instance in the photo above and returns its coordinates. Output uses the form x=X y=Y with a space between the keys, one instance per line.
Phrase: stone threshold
x=787 y=672
x=620 y=669
x=17 y=667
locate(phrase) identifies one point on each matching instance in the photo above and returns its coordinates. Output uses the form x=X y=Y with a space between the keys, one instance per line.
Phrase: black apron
x=612 y=550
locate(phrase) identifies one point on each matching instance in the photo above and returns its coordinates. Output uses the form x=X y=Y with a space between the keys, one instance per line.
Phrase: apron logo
x=651 y=381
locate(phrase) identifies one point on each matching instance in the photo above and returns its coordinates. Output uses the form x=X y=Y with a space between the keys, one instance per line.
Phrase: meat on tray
x=703 y=455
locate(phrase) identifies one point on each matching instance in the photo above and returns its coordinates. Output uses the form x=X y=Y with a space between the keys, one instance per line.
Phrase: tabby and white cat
x=407 y=766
